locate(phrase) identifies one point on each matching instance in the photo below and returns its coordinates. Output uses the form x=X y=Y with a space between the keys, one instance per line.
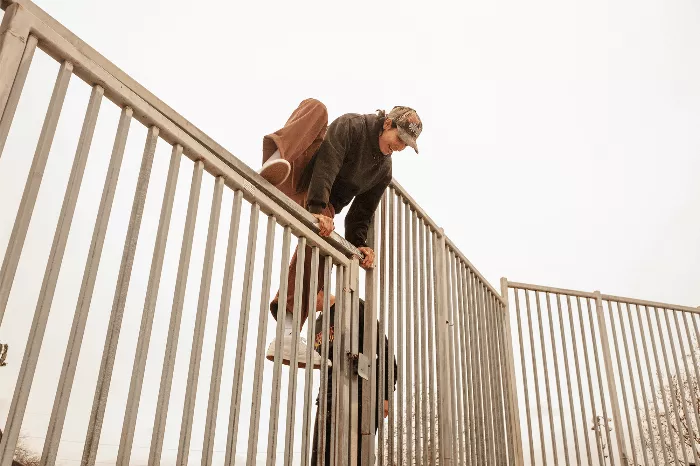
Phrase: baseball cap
x=408 y=123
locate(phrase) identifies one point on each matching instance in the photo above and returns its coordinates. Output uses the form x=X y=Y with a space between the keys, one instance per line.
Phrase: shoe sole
x=276 y=172
x=287 y=362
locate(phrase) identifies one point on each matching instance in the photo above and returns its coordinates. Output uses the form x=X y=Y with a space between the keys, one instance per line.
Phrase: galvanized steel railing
x=604 y=379
x=446 y=326
x=26 y=28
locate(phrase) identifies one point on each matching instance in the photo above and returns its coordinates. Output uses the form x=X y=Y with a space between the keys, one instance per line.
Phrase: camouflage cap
x=408 y=123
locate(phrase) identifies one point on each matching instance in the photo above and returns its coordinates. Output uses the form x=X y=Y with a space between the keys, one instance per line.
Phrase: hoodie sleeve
x=361 y=212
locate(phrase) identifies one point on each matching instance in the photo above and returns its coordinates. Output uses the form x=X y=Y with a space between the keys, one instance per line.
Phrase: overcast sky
x=560 y=143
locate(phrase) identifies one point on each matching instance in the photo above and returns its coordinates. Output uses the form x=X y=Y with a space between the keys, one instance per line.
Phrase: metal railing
x=445 y=326
x=605 y=380
x=26 y=28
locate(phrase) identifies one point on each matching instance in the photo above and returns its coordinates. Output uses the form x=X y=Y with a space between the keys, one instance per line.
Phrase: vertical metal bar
x=641 y=380
x=485 y=362
x=279 y=334
x=425 y=361
x=325 y=335
x=471 y=360
x=339 y=417
x=294 y=362
x=149 y=308
x=457 y=411
x=612 y=387
x=243 y=337
x=14 y=33
x=166 y=378
x=417 y=385
x=446 y=434
x=354 y=349
x=501 y=450
x=222 y=330
x=558 y=382
x=565 y=350
x=598 y=374
x=674 y=404
x=588 y=376
x=477 y=328
x=410 y=389
x=680 y=382
x=653 y=388
x=75 y=339
x=199 y=325
x=511 y=395
x=578 y=380
x=109 y=353
x=431 y=308
x=384 y=385
x=369 y=387
x=400 y=328
x=465 y=359
x=545 y=366
x=392 y=327
x=17 y=87
x=31 y=188
x=335 y=372
x=309 y=383
x=53 y=268
x=624 y=333
x=696 y=406
x=536 y=376
x=338 y=444
x=506 y=381
x=524 y=381
x=623 y=385
x=486 y=373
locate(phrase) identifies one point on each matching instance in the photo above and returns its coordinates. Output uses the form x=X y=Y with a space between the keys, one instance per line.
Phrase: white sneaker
x=287 y=353
x=275 y=171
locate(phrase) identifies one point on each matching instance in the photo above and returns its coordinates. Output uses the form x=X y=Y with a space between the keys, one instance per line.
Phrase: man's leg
x=315 y=446
x=291 y=287
x=289 y=149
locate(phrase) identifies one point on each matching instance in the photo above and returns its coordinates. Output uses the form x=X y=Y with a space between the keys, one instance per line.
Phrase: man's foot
x=275 y=171
x=287 y=353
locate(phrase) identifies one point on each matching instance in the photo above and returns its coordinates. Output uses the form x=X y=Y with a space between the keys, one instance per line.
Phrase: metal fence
x=446 y=328
x=182 y=276
x=605 y=380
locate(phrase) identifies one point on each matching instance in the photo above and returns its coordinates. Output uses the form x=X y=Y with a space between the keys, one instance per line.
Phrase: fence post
x=14 y=33
x=443 y=379
x=516 y=442
x=612 y=388
x=369 y=401
x=352 y=348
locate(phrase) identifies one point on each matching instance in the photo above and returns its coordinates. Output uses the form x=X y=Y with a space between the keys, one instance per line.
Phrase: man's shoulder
x=357 y=118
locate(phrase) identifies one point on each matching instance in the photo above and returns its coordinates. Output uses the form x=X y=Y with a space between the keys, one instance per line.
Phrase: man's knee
x=317 y=107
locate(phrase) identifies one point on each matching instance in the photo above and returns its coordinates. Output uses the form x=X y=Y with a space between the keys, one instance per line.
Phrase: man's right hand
x=325 y=224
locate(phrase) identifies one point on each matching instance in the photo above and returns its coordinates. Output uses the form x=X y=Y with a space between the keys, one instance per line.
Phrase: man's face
x=389 y=140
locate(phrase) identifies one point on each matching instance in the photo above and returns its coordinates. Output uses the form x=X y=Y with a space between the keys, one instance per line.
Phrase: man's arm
x=361 y=212
x=386 y=365
x=327 y=164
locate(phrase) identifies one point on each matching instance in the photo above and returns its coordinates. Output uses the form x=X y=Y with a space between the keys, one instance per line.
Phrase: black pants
x=315 y=447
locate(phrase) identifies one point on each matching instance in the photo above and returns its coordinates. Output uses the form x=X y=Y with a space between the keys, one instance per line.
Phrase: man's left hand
x=368 y=261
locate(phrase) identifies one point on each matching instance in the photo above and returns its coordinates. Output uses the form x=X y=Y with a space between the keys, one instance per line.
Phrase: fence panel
x=144 y=282
x=613 y=380
x=176 y=243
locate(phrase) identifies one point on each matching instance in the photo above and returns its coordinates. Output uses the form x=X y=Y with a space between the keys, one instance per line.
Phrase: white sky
x=560 y=143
